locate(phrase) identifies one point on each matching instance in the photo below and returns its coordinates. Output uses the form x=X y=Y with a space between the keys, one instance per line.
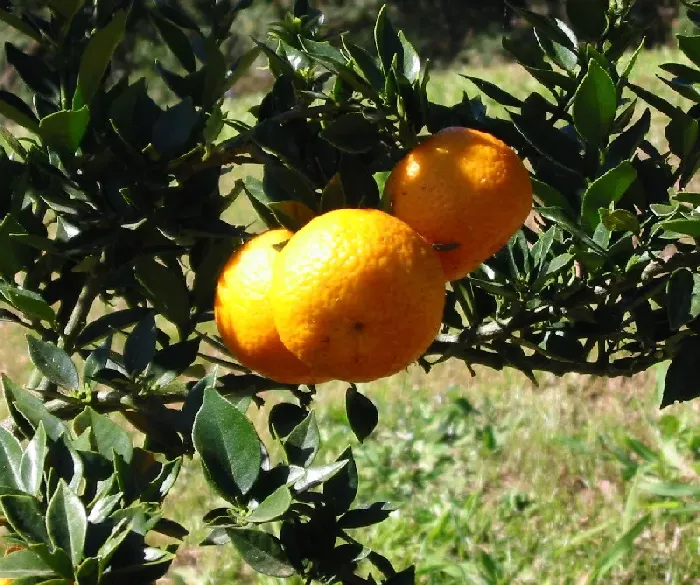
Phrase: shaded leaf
x=262 y=551
x=303 y=442
x=361 y=412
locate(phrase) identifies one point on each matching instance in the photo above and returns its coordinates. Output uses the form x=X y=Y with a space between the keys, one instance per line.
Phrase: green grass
x=497 y=481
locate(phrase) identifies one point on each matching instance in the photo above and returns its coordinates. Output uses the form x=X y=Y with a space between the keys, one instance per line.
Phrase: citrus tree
x=112 y=242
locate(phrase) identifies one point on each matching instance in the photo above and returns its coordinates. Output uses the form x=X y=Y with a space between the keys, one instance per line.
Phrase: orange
x=243 y=313
x=466 y=191
x=357 y=294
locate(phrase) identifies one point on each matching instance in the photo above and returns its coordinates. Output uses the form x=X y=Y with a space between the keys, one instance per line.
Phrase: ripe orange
x=243 y=313
x=356 y=293
x=464 y=189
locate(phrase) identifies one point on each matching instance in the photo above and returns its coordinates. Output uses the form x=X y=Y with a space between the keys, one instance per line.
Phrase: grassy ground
x=498 y=481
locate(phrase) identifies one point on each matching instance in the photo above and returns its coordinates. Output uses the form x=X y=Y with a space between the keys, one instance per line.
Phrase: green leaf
x=362 y=414
x=25 y=516
x=690 y=46
x=410 y=61
x=351 y=133
x=333 y=196
x=32 y=463
x=172 y=361
x=228 y=445
x=619 y=220
x=14 y=109
x=303 y=442
x=65 y=129
x=561 y=219
x=28 y=302
x=682 y=298
x=272 y=507
x=341 y=489
x=291 y=214
x=66 y=521
x=140 y=346
x=623 y=546
x=110 y=323
x=682 y=134
x=588 y=17
x=606 y=189
x=365 y=64
x=53 y=362
x=551 y=197
x=29 y=411
x=494 y=92
x=387 y=41
x=687 y=227
x=176 y=39
x=681 y=383
x=96 y=58
x=106 y=437
x=167 y=290
x=24 y=563
x=595 y=105
x=173 y=129
x=262 y=551
x=10 y=458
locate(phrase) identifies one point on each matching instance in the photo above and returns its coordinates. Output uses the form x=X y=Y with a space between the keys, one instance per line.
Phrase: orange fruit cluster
x=358 y=294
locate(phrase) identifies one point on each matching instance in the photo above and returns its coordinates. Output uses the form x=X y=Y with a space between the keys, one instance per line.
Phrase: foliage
x=114 y=196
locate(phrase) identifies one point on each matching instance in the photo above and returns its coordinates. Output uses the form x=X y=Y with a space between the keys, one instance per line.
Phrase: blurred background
x=448 y=32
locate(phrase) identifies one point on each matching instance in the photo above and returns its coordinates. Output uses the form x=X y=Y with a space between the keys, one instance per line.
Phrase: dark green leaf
x=682 y=134
x=67 y=522
x=53 y=362
x=96 y=58
x=690 y=45
x=109 y=323
x=32 y=463
x=588 y=17
x=681 y=383
x=10 y=458
x=366 y=64
x=561 y=219
x=387 y=41
x=172 y=361
x=495 y=92
x=366 y=515
x=654 y=100
x=13 y=108
x=25 y=516
x=173 y=128
x=284 y=418
x=106 y=437
x=333 y=196
x=166 y=289
x=176 y=40
x=271 y=507
x=405 y=577
x=140 y=346
x=303 y=442
x=362 y=414
x=228 y=445
x=341 y=489
x=262 y=551
x=33 y=71
x=682 y=297
x=351 y=133
x=595 y=104
x=607 y=189
x=410 y=60
x=551 y=197
x=24 y=563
